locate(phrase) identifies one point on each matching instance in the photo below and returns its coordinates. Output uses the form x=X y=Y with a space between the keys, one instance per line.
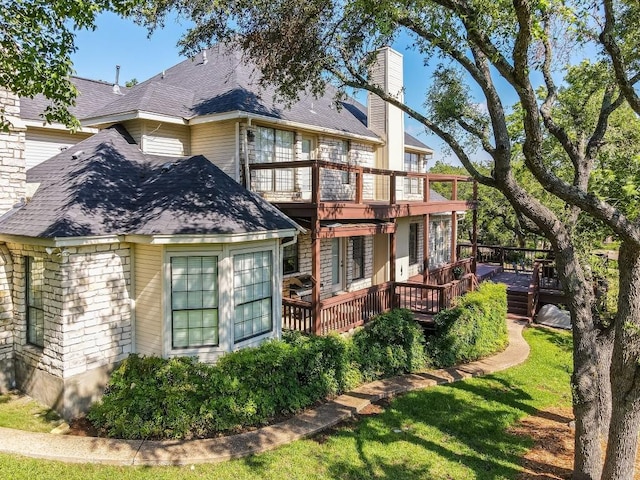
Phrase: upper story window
x=357 y=269
x=252 y=294
x=34 y=274
x=412 y=164
x=194 y=301
x=273 y=145
x=290 y=259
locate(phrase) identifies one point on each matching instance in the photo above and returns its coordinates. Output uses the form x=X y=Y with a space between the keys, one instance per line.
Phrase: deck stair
x=517 y=302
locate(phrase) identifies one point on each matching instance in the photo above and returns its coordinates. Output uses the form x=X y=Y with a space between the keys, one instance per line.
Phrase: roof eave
x=132 y=115
x=239 y=114
x=191 y=239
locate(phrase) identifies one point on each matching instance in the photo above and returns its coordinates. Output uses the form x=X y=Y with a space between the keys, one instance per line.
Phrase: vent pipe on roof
x=116 y=85
x=204 y=57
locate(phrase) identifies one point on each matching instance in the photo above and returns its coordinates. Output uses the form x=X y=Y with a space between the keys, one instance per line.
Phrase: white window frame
x=276 y=296
x=204 y=353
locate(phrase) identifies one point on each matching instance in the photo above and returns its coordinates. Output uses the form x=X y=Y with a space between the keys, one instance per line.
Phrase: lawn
x=20 y=411
x=450 y=432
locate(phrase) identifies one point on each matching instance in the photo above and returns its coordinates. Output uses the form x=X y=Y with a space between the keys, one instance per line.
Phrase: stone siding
x=13 y=175
x=7 y=370
x=87 y=323
x=97 y=307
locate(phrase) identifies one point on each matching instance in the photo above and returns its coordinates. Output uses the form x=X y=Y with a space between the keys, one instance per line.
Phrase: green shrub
x=390 y=345
x=474 y=328
x=150 y=397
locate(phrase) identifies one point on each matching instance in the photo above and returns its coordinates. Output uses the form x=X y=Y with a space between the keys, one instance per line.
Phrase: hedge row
x=150 y=397
x=473 y=329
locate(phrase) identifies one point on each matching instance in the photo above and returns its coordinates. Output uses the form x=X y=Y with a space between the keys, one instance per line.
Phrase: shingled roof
x=92 y=95
x=105 y=186
x=227 y=83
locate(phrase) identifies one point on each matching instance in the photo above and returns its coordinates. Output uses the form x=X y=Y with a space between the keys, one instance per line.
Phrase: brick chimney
x=384 y=119
x=13 y=174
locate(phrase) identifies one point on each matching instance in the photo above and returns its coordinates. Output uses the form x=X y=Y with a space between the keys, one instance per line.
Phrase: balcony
x=333 y=191
x=349 y=310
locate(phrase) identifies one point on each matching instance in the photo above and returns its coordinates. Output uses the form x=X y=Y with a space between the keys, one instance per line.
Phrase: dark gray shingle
x=105 y=185
x=93 y=95
x=225 y=83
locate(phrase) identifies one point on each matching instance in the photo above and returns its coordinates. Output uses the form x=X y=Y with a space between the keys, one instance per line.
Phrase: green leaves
x=37 y=39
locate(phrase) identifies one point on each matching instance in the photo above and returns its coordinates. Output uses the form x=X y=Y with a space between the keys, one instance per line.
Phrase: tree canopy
x=37 y=40
x=557 y=139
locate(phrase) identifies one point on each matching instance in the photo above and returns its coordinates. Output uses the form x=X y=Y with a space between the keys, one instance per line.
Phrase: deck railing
x=511 y=259
x=344 y=312
x=447 y=273
x=318 y=181
x=350 y=310
x=297 y=315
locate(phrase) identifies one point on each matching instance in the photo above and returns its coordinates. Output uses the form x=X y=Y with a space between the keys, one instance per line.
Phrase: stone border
x=185 y=452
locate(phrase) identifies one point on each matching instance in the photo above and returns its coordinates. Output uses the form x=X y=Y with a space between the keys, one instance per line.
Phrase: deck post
x=426 y=187
x=392 y=188
x=359 y=185
x=454 y=190
x=315 y=273
x=425 y=248
x=315 y=184
x=392 y=254
x=474 y=234
x=454 y=235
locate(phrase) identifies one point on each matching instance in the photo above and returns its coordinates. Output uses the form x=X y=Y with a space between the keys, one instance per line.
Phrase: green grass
x=23 y=413
x=448 y=432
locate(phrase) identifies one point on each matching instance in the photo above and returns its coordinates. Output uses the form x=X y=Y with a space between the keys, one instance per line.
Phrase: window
x=413 y=243
x=194 y=301
x=273 y=145
x=290 y=259
x=439 y=242
x=252 y=276
x=34 y=272
x=357 y=269
x=344 y=158
x=411 y=164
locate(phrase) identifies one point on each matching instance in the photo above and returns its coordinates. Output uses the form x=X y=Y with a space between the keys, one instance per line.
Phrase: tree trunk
x=588 y=372
x=625 y=372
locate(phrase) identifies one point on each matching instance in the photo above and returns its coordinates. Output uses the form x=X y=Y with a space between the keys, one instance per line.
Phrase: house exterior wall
x=385 y=119
x=134 y=127
x=87 y=323
x=13 y=175
x=44 y=143
x=148 y=299
x=217 y=142
x=7 y=367
x=162 y=138
x=326 y=267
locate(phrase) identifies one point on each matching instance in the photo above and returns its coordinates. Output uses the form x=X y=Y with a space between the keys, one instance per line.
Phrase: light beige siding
x=149 y=312
x=217 y=142
x=134 y=127
x=165 y=139
x=43 y=143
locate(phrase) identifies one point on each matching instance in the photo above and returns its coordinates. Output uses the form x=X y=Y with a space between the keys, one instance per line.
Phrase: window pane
x=194 y=296
x=35 y=282
x=358 y=258
x=252 y=274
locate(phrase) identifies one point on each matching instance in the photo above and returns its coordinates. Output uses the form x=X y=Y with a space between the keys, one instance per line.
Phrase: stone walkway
x=179 y=452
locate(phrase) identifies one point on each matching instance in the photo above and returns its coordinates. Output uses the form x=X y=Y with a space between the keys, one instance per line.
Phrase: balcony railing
x=344 y=312
x=511 y=259
x=316 y=181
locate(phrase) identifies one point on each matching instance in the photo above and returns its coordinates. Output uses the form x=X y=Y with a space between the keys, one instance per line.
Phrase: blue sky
x=121 y=42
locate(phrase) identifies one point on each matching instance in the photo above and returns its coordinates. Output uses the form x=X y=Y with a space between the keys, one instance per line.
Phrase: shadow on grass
x=438 y=433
